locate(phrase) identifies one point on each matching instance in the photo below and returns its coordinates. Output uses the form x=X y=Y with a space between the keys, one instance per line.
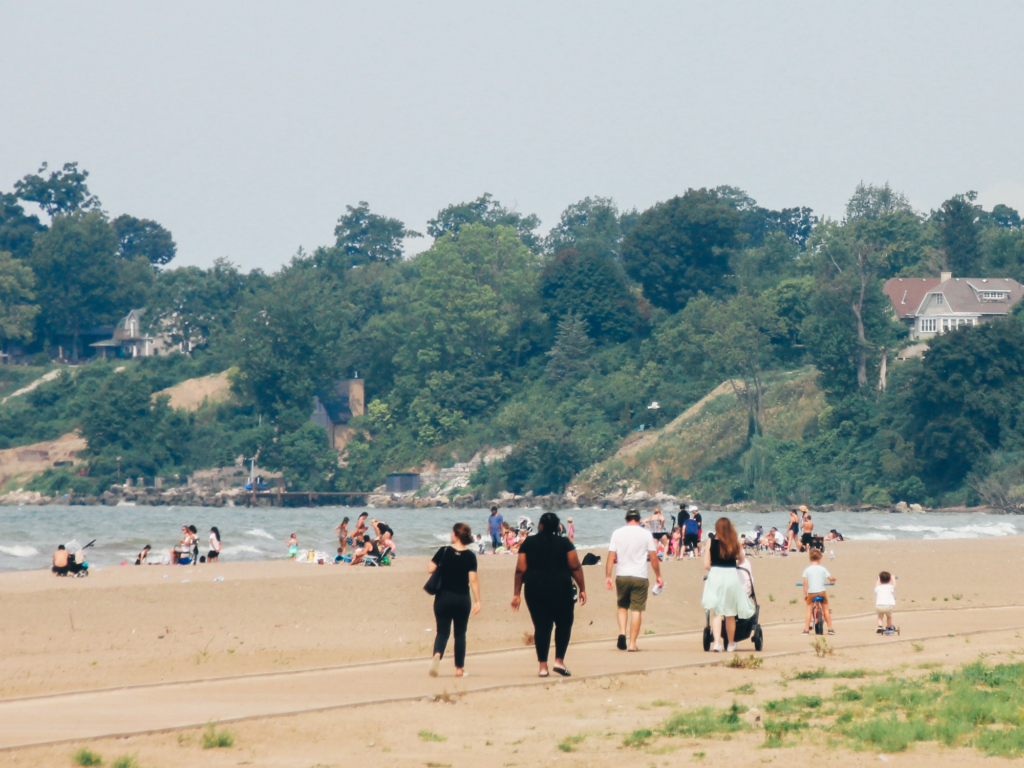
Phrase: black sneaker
x=879 y=631
x=622 y=643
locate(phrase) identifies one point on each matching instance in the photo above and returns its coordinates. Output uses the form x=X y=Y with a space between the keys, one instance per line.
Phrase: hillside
x=710 y=435
x=192 y=394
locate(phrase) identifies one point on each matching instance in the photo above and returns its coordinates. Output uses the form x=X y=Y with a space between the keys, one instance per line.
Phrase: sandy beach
x=149 y=632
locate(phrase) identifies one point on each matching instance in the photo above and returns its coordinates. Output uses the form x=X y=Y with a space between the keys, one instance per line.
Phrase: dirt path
x=144 y=709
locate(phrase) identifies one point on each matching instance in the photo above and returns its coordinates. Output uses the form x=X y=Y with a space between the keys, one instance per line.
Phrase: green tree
x=870 y=201
x=758 y=223
x=471 y=307
x=81 y=280
x=305 y=458
x=489 y=212
x=593 y=286
x=681 y=247
x=18 y=309
x=364 y=237
x=61 y=192
x=17 y=229
x=289 y=342
x=572 y=355
x=590 y=226
x=959 y=222
x=193 y=305
x=143 y=238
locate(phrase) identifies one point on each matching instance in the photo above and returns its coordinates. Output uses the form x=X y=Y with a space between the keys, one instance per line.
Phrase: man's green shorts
x=631 y=592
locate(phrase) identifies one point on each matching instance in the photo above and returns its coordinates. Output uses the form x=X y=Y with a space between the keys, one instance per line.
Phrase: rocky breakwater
x=571 y=499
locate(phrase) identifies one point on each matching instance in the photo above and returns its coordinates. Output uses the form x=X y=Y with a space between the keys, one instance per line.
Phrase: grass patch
x=431 y=736
x=843 y=674
x=214 y=739
x=750 y=662
x=126 y=761
x=639 y=738
x=975 y=706
x=663 y=703
x=745 y=689
x=917 y=647
x=821 y=648
x=569 y=743
x=86 y=758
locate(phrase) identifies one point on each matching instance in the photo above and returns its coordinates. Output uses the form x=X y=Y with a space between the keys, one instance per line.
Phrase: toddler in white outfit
x=885 y=601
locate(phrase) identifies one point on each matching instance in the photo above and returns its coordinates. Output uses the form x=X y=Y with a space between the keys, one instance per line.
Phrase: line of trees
x=556 y=343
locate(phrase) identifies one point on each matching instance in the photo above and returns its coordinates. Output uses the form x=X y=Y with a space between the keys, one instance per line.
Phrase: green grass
x=738 y=662
x=431 y=736
x=975 y=706
x=86 y=758
x=126 y=761
x=569 y=743
x=638 y=738
x=214 y=739
x=663 y=703
x=745 y=689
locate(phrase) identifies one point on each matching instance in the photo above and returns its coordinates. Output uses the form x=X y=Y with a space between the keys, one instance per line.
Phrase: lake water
x=30 y=534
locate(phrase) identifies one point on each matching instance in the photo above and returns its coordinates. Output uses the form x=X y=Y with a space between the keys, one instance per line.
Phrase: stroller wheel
x=758 y=638
x=708 y=639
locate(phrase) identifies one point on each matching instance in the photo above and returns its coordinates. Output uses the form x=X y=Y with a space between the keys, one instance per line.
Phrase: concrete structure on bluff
x=335 y=406
x=928 y=306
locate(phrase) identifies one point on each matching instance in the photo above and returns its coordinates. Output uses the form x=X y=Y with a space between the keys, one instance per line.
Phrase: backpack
x=691 y=527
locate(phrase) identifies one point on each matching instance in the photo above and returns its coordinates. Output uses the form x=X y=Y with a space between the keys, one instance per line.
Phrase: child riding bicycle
x=816 y=578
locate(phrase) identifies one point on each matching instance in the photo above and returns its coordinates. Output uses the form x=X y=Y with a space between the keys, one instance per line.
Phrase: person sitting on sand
x=293 y=547
x=143 y=555
x=60 y=561
x=834 y=535
x=369 y=548
x=340 y=557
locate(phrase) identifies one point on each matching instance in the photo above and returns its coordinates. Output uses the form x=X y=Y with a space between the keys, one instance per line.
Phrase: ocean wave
x=259 y=532
x=20 y=551
x=870 y=537
x=239 y=548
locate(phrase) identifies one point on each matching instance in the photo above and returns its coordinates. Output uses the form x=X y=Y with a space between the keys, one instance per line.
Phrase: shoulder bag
x=433 y=585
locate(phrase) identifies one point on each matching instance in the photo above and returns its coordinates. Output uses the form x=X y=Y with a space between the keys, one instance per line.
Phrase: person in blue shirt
x=494 y=528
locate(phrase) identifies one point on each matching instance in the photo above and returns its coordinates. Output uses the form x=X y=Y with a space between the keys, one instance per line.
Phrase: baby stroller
x=745 y=628
x=524 y=524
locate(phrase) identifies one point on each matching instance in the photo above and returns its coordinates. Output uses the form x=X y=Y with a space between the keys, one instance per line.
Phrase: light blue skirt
x=724 y=594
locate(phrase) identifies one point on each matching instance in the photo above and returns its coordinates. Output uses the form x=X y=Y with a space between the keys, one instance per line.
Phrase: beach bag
x=433 y=585
x=591 y=559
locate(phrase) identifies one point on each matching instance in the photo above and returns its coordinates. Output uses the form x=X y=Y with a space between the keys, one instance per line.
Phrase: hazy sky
x=246 y=127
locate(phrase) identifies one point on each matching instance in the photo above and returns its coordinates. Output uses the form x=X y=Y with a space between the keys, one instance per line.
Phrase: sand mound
x=24 y=463
x=191 y=394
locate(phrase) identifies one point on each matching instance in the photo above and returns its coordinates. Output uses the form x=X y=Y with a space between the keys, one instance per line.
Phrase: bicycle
x=817 y=612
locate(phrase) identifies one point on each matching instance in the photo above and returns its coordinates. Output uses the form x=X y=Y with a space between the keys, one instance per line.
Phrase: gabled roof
x=961 y=294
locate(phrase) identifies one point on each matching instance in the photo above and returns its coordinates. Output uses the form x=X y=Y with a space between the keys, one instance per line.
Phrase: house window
x=928 y=326
x=938 y=299
x=993 y=295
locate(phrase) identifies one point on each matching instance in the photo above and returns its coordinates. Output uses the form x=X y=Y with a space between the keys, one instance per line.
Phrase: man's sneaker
x=806 y=632
x=880 y=631
x=831 y=631
x=732 y=648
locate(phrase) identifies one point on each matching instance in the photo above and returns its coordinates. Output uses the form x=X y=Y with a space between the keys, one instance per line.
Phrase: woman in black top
x=549 y=564
x=452 y=604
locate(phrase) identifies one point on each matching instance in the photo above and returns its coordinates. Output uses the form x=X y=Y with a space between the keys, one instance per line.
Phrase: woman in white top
x=214 y=554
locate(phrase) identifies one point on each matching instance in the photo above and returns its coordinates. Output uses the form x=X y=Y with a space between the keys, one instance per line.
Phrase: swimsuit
x=293 y=550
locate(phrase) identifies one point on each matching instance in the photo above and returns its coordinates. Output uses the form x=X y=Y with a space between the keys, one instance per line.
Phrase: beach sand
x=132 y=626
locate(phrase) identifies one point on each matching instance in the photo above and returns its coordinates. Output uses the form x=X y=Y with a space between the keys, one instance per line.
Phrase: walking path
x=160 y=707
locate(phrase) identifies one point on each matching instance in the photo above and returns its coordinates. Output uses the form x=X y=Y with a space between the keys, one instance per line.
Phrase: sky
x=247 y=127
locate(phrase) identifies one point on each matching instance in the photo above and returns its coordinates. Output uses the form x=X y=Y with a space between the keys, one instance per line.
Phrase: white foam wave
x=20 y=551
x=239 y=548
x=871 y=537
x=259 y=532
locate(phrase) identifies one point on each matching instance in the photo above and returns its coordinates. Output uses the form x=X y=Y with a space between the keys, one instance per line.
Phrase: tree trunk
x=862 y=341
x=882 y=373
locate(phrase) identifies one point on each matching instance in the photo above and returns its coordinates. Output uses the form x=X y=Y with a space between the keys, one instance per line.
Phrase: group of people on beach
x=186 y=551
x=378 y=549
x=550 y=576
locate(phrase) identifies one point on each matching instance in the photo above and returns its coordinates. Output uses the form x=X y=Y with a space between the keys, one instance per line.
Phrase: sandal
x=562 y=671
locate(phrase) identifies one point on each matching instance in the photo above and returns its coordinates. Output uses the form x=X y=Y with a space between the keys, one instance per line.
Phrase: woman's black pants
x=452 y=608
x=549 y=609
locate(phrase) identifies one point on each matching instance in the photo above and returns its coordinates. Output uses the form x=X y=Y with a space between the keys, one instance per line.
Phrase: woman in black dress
x=548 y=563
x=452 y=604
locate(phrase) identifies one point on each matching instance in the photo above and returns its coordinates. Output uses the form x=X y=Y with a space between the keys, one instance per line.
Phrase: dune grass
x=976 y=706
x=214 y=739
x=86 y=758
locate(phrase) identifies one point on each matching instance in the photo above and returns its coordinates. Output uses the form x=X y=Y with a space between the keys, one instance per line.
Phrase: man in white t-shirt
x=631 y=549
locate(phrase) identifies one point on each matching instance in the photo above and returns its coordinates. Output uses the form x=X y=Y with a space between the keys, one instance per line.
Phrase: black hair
x=344 y=521
x=60 y=546
x=494 y=509
x=193 y=529
x=366 y=539
x=549 y=524
x=147 y=547
x=215 y=532
x=364 y=514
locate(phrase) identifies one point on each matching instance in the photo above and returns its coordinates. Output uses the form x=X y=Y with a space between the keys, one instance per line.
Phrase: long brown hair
x=728 y=541
x=463 y=533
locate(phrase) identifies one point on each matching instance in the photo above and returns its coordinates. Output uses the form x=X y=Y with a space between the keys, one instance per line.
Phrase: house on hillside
x=128 y=339
x=335 y=406
x=929 y=306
